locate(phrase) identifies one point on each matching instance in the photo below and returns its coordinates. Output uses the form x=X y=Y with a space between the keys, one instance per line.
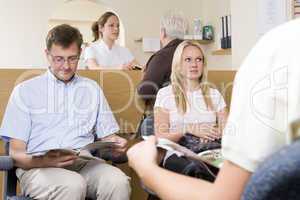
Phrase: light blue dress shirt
x=47 y=113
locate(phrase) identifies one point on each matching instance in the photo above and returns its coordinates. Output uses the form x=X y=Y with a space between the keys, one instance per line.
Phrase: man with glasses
x=60 y=109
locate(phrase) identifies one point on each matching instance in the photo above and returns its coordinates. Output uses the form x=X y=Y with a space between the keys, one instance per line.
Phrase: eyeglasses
x=59 y=60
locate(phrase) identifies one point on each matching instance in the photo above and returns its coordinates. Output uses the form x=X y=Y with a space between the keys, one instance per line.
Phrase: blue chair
x=10 y=179
x=278 y=178
x=147 y=126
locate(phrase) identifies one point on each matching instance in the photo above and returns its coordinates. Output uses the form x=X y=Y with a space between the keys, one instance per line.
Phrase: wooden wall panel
x=223 y=81
x=120 y=91
x=118 y=87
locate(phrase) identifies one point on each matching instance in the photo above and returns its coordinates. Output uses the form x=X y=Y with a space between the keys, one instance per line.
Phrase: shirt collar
x=53 y=78
x=102 y=43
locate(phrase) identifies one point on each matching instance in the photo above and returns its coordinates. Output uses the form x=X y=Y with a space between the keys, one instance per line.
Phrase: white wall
x=78 y=10
x=245 y=29
x=83 y=26
x=23 y=29
x=212 y=11
x=25 y=24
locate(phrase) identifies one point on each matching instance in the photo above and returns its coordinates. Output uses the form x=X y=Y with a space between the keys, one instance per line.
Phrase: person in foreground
x=60 y=109
x=104 y=53
x=265 y=101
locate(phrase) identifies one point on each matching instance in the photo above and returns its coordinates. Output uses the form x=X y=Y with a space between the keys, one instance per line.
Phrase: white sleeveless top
x=196 y=108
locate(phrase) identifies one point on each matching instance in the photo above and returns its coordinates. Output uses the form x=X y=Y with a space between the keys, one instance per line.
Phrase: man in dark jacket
x=158 y=68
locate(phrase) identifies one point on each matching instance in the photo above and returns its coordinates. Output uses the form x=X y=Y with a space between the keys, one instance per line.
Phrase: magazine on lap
x=211 y=157
x=98 y=145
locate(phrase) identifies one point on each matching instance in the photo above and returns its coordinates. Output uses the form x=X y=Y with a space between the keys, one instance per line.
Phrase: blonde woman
x=189 y=105
x=267 y=84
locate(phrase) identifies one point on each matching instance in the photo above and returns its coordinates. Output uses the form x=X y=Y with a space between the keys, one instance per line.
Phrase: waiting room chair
x=147 y=126
x=278 y=178
x=147 y=129
x=10 y=179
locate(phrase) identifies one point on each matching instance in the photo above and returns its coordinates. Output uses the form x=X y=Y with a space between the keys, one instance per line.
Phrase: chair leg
x=9 y=179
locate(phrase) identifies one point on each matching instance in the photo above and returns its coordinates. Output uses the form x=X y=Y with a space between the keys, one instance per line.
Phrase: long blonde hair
x=177 y=79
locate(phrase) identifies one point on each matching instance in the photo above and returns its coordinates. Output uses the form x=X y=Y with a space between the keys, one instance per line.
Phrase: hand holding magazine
x=98 y=145
x=211 y=157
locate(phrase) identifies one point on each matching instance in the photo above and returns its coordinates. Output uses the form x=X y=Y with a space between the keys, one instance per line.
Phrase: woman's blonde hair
x=178 y=82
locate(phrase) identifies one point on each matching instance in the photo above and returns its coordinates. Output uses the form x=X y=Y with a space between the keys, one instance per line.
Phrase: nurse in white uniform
x=104 y=53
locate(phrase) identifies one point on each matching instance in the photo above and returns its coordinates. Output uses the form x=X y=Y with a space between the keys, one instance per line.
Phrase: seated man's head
x=172 y=25
x=63 y=51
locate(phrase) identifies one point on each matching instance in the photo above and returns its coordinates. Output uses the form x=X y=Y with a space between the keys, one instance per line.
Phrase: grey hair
x=174 y=24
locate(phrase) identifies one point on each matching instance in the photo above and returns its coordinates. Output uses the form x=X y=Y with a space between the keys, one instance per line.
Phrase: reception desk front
x=119 y=87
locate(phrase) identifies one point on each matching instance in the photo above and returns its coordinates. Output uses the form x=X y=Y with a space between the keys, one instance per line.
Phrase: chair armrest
x=6 y=163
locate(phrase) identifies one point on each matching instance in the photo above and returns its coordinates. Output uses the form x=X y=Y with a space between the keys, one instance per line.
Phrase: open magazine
x=97 y=145
x=211 y=157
